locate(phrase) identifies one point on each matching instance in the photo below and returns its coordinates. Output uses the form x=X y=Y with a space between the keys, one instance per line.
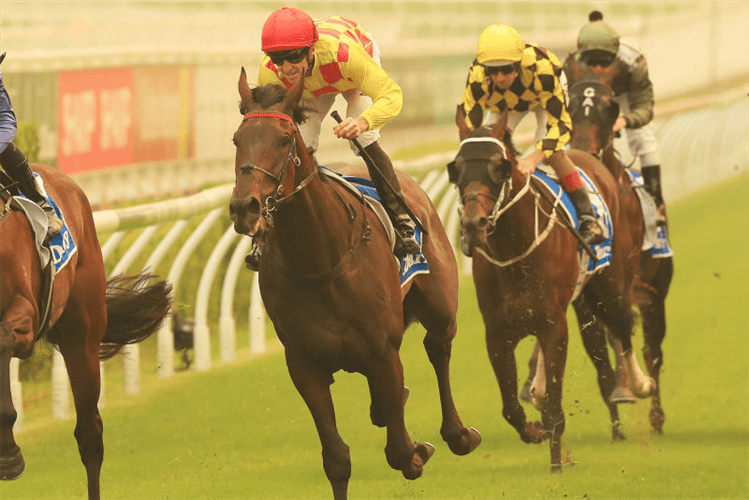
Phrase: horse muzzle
x=246 y=213
x=474 y=230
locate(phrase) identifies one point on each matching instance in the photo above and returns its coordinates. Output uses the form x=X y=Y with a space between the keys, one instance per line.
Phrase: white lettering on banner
x=116 y=118
x=78 y=122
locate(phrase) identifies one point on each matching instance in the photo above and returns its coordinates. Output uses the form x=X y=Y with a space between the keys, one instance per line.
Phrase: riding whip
x=398 y=196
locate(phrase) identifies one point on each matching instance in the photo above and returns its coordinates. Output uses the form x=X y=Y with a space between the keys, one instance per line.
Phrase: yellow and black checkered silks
x=537 y=84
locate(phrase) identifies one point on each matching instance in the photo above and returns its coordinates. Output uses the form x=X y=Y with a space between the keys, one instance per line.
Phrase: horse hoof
x=12 y=467
x=533 y=433
x=622 y=395
x=466 y=442
x=647 y=389
x=556 y=468
x=425 y=451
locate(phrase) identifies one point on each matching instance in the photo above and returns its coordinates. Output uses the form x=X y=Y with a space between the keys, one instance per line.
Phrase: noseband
x=272 y=201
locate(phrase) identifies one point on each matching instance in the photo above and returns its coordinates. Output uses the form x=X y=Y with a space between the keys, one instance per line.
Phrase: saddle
x=364 y=189
x=51 y=258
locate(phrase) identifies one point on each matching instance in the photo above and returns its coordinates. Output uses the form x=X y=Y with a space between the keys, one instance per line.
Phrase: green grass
x=242 y=431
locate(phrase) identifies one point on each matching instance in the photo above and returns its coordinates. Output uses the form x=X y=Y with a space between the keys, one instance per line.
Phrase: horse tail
x=136 y=309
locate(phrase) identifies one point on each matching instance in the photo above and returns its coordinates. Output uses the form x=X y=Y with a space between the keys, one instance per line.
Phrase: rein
x=500 y=208
x=277 y=198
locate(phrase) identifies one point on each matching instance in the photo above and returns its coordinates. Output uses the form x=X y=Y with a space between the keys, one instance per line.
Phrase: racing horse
x=89 y=317
x=594 y=111
x=331 y=285
x=526 y=272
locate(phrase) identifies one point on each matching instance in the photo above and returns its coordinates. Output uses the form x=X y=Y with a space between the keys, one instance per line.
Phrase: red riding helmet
x=287 y=29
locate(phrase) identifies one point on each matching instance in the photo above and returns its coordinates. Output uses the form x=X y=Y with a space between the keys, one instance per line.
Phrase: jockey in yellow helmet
x=514 y=77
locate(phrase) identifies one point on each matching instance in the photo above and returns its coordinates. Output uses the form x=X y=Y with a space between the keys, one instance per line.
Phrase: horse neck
x=313 y=230
x=608 y=158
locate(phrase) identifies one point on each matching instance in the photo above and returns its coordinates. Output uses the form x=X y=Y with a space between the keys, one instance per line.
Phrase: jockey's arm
x=640 y=96
x=373 y=81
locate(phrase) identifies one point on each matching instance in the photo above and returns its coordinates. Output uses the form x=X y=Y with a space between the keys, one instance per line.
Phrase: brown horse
x=90 y=318
x=331 y=285
x=525 y=270
x=593 y=113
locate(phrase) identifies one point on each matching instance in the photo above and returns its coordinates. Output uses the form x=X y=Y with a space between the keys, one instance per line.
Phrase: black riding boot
x=651 y=175
x=590 y=229
x=405 y=243
x=16 y=165
x=252 y=259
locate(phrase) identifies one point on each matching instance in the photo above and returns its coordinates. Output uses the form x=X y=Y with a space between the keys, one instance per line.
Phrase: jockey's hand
x=527 y=165
x=619 y=124
x=351 y=128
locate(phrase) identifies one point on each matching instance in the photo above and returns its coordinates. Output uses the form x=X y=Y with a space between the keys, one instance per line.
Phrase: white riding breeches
x=641 y=141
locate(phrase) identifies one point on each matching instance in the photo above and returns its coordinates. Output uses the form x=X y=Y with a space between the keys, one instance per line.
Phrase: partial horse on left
x=90 y=317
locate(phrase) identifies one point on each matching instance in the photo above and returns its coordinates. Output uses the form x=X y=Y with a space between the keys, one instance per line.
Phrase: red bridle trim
x=268 y=114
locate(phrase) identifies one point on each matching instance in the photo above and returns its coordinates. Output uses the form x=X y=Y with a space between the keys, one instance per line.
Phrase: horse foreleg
x=502 y=357
x=12 y=464
x=654 y=328
x=554 y=347
x=82 y=363
x=460 y=440
x=314 y=387
x=386 y=386
x=593 y=334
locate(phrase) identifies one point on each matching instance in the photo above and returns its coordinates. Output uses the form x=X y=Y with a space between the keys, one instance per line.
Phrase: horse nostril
x=253 y=207
x=482 y=224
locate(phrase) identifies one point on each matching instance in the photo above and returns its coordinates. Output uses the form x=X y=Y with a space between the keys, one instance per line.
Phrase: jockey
x=16 y=165
x=511 y=76
x=599 y=47
x=337 y=56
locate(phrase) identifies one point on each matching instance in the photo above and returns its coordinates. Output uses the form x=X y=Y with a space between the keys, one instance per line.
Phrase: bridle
x=274 y=200
x=504 y=202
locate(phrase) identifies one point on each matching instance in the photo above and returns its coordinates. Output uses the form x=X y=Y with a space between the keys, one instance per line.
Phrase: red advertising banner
x=95 y=119
x=162 y=113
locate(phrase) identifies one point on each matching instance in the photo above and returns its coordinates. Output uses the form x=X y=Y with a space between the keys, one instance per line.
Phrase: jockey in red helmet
x=337 y=56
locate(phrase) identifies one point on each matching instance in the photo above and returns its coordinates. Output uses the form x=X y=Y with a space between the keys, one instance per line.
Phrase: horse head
x=269 y=152
x=593 y=112
x=481 y=171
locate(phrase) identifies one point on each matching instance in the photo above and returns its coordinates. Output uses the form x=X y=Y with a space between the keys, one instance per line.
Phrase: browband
x=486 y=139
x=268 y=114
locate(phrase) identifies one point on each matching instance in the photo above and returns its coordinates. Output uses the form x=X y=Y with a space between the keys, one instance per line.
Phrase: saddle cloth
x=654 y=238
x=410 y=265
x=62 y=246
x=601 y=210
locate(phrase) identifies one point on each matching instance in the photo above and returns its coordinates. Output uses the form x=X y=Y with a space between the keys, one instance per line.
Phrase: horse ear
x=245 y=92
x=293 y=96
x=498 y=129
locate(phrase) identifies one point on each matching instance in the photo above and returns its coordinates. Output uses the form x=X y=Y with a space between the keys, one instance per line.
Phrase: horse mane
x=266 y=96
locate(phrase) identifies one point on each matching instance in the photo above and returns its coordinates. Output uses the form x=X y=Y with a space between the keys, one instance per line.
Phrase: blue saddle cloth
x=660 y=246
x=410 y=265
x=603 y=250
x=62 y=246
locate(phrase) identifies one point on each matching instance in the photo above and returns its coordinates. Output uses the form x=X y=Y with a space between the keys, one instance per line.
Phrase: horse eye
x=284 y=141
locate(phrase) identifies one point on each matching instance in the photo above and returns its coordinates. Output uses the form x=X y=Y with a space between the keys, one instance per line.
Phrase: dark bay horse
x=594 y=112
x=331 y=285
x=90 y=317
x=525 y=270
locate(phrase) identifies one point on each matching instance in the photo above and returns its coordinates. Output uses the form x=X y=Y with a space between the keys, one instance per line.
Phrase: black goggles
x=599 y=58
x=294 y=56
x=505 y=70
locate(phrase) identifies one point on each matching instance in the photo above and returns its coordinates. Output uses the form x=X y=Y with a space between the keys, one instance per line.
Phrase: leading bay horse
x=90 y=318
x=594 y=111
x=525 y=270
x=331 y=285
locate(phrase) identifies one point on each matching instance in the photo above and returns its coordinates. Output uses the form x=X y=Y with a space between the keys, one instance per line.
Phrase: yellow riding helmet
x=499 y=45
